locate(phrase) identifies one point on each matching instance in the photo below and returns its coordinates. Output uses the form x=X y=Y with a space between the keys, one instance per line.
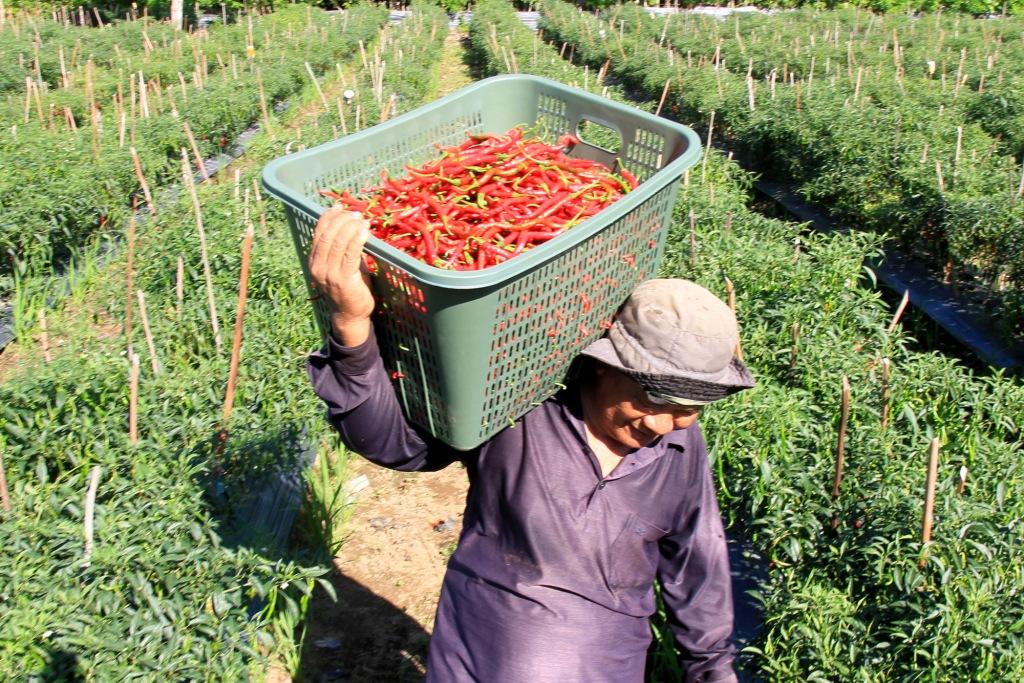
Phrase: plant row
x=65 y=185
x=852 y=591
x=173 y=570
x=852 y=138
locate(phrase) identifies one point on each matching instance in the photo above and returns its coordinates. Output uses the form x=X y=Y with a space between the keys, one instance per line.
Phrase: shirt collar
x=572 y=408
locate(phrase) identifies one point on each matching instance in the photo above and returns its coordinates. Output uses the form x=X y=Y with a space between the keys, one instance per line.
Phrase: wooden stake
x=129 y=304
x=929 y=501
x=962 y=486
x=179 y=287
x=90 y=505
x=44 y=339
x=707 y=146
x=844 y=417
x=693 y=240
x=899 y=311
x=200 y=166
x=341 y=117
x=794 y=346
x=664 y=94
x=263 y=104
x=886 y=363
x=259 y=207
x=236 y=346
x=187 y=174
x=153 y=363
x=316 y=84
x=731 y=294
x=150 y=204
x=143 y=96
x=133 y=400
x=5 y=498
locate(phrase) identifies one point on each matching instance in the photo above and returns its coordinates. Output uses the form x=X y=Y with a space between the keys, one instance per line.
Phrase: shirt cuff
x=352 y=360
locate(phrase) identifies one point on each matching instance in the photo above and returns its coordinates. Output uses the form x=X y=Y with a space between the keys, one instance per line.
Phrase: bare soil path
x=398 y=539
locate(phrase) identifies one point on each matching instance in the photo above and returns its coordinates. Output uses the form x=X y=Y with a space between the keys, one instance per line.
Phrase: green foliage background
x=160 y=8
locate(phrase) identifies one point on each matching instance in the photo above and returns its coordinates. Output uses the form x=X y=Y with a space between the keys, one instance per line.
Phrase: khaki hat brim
x=687 y=387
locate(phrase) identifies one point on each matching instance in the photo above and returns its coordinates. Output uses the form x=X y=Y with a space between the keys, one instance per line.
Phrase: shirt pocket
x=633 y=559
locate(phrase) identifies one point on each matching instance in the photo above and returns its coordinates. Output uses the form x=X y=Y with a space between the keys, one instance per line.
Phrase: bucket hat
x=678 y=341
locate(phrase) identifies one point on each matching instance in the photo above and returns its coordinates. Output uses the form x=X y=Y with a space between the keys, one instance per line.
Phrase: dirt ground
x=388 y=576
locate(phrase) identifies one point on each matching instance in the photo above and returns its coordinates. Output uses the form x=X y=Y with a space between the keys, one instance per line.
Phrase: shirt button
x=602 y=485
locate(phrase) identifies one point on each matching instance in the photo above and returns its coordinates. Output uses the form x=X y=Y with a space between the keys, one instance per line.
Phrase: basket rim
x=538 y=256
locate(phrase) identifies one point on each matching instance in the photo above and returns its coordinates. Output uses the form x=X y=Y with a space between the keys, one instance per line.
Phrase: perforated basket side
x=546 y=317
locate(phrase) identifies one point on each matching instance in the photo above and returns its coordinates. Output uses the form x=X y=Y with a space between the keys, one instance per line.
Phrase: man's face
x=621 y=412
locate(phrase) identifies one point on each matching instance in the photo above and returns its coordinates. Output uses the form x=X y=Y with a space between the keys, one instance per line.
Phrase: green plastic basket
x=470 y=352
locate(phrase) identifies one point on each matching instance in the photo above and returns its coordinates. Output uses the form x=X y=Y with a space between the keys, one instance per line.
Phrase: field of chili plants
x=127 y=466
x=89 y=97
x=905 y=125
x=126 y=529
x=854 y=592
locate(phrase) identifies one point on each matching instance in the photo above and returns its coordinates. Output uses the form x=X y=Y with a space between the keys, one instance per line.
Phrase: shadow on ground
x=361 y=638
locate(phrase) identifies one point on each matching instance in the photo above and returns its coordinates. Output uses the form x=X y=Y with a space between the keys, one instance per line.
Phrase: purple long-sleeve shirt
x=553 y=576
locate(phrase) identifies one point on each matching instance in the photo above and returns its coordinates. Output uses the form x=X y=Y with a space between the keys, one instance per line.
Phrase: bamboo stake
x=886 y=364
x=731 y=295
x=143 y=96
x=664 y=94
x=44 y=339
x=190 y=183
x=844 y=417
x=90 y=505
x=263 y=104
x=341 y=117
x=39 y=103
x=693 y=240
x=259 y=207
x=5 y=498
x=150 y=204
x=962 y=486
x=794 y=346
x=130 y=283
x=28 y=98
x=929 y=501
x=316 y=84
x=133 y=400
x=899 y=311
x=153 y=363
x=236 y=347
x=200 y=166
x=707 y=146
x=179 y=287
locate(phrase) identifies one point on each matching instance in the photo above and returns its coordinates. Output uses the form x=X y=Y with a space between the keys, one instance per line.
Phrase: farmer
x=572 y=513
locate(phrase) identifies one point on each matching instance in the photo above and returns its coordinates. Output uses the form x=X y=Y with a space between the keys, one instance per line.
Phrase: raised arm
x=348 y=374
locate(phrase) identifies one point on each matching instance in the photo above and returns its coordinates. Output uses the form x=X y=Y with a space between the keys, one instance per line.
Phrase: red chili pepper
x=486 y=199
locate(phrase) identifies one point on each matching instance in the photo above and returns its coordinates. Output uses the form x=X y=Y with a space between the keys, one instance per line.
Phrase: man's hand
x=334 y=265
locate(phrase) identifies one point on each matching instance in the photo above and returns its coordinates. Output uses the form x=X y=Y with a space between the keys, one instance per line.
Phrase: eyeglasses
x=659 y=401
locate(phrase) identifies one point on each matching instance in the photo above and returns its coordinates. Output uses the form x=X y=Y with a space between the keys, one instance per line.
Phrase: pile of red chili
x=486 y=200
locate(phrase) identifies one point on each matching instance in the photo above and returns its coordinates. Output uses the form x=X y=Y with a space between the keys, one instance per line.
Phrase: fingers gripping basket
x=470 y=352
